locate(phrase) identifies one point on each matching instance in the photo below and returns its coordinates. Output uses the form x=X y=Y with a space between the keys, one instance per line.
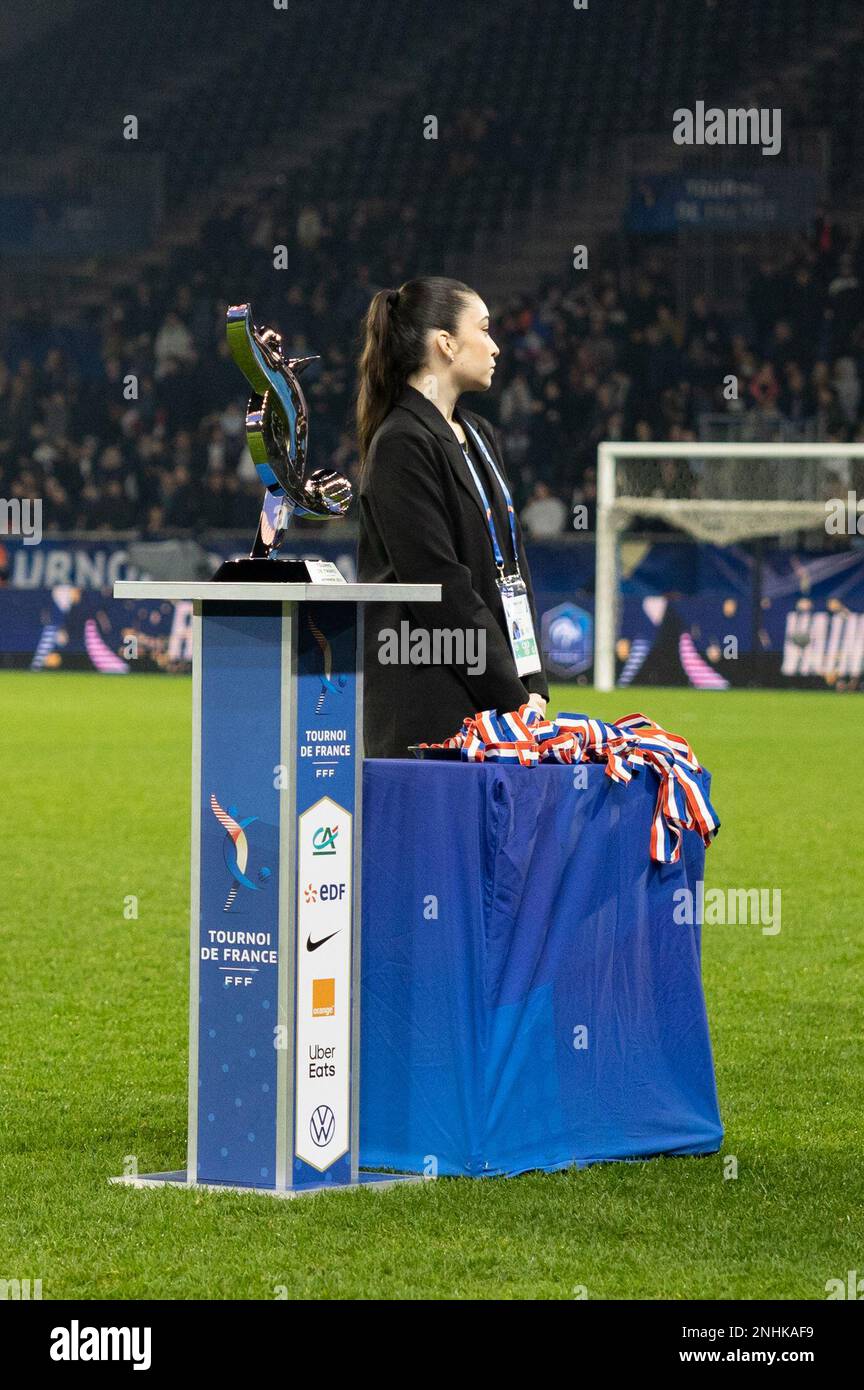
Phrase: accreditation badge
x=520 y=625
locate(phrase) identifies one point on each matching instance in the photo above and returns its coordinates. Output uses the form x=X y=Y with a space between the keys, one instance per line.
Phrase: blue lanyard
x=496 y=549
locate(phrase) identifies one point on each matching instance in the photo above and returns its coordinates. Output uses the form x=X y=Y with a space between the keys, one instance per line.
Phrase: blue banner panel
x=326 y=764
x=67 y=628
x=528 y=999
x=98 y=564
x=687 y=617
x=241 y=692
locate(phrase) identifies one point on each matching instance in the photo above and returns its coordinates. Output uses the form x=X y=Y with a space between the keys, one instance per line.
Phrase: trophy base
x=262 y=571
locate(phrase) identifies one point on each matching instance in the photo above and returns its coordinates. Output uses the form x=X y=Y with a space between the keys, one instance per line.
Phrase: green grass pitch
x=96 y=793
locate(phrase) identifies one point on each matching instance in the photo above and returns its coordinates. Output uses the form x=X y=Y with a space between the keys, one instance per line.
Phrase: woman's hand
x=538 y=702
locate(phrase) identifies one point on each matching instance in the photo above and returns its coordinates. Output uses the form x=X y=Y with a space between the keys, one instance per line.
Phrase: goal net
x=716 y=493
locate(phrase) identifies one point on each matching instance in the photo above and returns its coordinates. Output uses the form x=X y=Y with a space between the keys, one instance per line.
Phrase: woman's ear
x=444 y=345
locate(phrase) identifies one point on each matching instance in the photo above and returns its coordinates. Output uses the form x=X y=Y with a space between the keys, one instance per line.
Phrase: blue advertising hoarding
x=726 y=201
x=810 y=628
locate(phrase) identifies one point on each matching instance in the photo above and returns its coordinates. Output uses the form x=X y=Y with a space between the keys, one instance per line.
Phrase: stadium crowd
x=150 y=435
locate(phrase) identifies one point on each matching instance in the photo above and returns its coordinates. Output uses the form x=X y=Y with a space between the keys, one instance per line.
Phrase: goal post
x=715 y=493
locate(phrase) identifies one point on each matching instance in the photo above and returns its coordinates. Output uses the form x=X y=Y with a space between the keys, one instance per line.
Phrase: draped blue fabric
x=528 y=1000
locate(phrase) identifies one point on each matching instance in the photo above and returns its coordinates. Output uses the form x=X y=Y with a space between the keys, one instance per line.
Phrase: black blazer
x=422 y=521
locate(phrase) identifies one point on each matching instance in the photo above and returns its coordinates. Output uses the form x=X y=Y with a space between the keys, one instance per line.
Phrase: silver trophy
x=277 y=433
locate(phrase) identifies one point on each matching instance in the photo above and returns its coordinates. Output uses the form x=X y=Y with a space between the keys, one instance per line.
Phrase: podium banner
x=326 y=761
x=271 y=1012
x=239 y=811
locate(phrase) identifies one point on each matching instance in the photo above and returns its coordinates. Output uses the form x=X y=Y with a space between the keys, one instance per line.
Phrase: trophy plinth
x=260 y=570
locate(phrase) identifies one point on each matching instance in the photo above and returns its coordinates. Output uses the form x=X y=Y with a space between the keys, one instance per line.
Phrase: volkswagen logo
x=322 y=1125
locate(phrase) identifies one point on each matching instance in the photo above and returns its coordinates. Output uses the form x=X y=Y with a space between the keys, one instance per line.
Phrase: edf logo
x=332 y=892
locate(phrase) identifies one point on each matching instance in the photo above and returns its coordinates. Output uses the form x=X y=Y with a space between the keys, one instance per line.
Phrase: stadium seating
x=522 y=100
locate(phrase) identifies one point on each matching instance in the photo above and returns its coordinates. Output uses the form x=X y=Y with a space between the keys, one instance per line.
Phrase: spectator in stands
x=765 y=298
x=642 y=307
x=805 y=304
x=309 y=227
x=705 y=327
x=179 y=499
x=844 y=303
x=115 y=511
x=847 y=388
x=544 y=515
x=59 y=512
x=215 y=503
x=764 y=387
x=598 y=355
x=173 y=342
x=830 y=422
x=517 y=404
x=782 y=347
x=797 y=402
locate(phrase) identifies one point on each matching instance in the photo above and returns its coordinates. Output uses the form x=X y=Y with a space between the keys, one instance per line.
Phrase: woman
x=435 y=508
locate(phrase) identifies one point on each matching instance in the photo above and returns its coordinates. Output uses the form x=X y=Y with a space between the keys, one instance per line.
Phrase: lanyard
x=496 y=548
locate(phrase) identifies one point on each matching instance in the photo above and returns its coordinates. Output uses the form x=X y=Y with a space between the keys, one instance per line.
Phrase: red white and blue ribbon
x=633 y=742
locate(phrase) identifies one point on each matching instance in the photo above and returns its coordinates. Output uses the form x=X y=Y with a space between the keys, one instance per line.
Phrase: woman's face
x=474 y=351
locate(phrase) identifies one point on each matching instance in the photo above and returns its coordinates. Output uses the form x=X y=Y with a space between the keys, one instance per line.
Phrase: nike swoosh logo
x=313 y=945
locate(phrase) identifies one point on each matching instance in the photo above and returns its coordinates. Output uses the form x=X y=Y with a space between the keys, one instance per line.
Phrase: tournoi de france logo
x=236 y=851
x=328 y=684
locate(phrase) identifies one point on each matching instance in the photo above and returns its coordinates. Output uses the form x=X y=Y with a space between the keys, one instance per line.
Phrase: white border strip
x=370 y=1182
x=285 y=1056
x=276 y=593
x=357 y=905
x=195 y=894
x=698 y=450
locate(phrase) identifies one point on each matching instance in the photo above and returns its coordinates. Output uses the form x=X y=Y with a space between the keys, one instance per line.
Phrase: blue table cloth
x=528 y=1000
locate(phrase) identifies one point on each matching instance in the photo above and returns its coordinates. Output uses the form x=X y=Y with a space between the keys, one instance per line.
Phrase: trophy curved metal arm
x=277 y=433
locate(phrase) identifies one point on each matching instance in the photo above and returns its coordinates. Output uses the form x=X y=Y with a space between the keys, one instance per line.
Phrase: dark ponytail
x=394 y=343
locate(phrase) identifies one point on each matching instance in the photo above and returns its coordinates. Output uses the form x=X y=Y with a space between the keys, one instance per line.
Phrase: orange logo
x=323 y=998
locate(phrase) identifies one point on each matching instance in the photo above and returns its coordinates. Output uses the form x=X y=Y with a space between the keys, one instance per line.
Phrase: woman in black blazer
x=422 y=520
